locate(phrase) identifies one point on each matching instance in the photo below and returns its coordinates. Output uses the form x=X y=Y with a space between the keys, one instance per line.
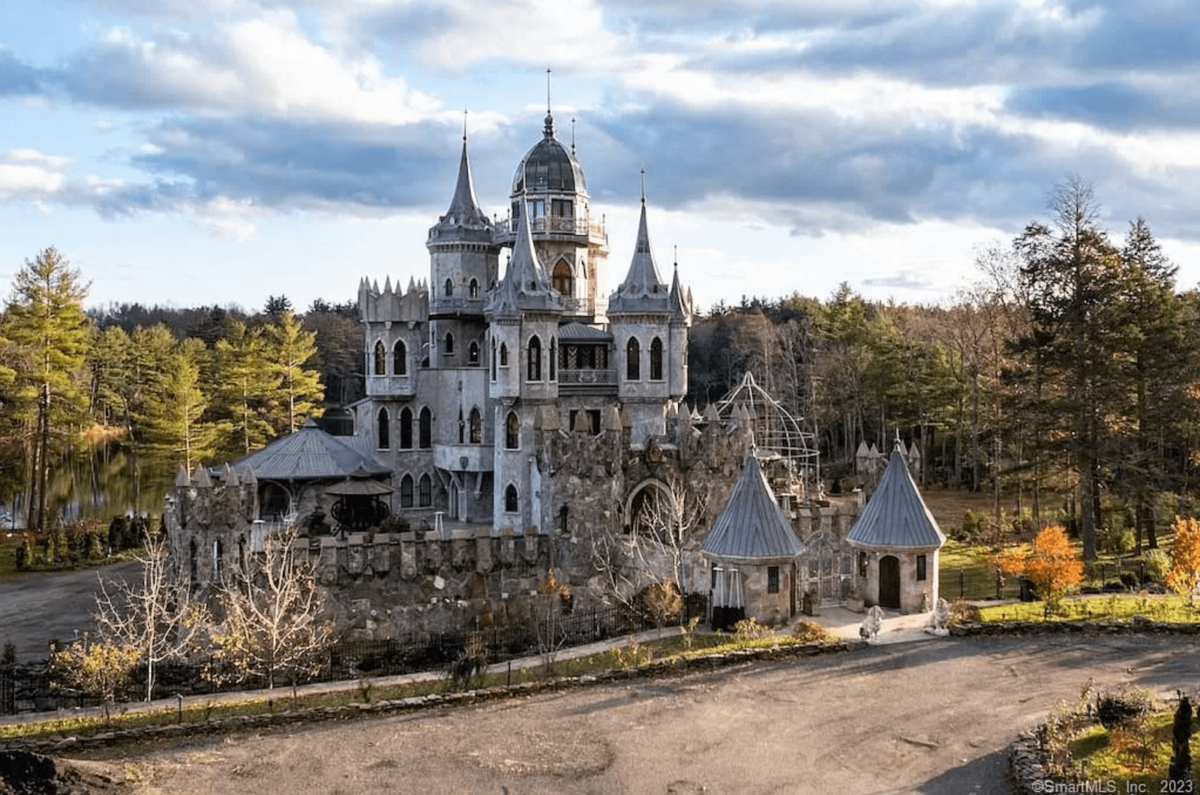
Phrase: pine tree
x=48 y=332
x=242 y=388
x=289 y=349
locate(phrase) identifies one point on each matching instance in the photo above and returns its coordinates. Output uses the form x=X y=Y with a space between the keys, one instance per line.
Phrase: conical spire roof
x=751 y=527
x=643 y=288
x=464 y=207
x=524 y=285
x=896 y=517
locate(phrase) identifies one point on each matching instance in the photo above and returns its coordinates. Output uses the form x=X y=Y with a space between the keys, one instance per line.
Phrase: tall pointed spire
x=548 y=131
x=643 y=277
x=524 y=285
x=464 y=207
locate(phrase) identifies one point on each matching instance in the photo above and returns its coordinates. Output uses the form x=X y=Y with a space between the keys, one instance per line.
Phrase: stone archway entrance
x=889 y=582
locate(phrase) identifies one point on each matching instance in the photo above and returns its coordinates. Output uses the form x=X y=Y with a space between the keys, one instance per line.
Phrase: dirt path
x=929 y=717
x=36 y=608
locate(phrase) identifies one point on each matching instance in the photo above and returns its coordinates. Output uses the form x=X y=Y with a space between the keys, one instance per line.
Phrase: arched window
x=633 y=360
x=406 y=428
x=462 y=427
x=380 y=359
x=562 y=280
x=553 y=356
x=503 y=355
x=535 y=359
x=193 y=560
x=449 y=347
x=476 y=427
x=473 y=289
x=425 y=493
x=449 y=288
x=406 y=492
x=399 y=358
x=512 y=431
x=473 y=353
x=493 y=360
x=383 y=439
x=426 y=429
x=656 y=353
x=511 y=503
x=218 y=552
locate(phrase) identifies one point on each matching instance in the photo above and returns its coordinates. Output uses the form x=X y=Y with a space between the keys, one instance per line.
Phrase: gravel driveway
x=928 y=717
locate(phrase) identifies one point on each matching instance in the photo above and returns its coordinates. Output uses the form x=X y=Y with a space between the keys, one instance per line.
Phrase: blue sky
x=191 y=152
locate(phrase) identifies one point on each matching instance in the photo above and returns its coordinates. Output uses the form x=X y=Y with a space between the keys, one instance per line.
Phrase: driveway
x=929 y=717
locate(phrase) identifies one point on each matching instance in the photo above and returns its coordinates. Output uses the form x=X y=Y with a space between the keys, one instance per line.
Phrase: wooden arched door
x=889 y=582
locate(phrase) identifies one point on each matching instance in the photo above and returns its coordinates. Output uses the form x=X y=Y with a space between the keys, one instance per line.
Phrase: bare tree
x=273 y=623
x=157 y=619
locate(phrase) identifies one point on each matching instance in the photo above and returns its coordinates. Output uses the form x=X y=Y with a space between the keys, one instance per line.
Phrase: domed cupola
x=549 y=167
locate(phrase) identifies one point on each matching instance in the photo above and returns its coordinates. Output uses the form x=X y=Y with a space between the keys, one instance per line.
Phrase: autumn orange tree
x=1051 y=563
x=1184 y=571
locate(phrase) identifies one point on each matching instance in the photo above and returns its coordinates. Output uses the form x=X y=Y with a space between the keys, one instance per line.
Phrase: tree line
x=172 y=387
x=1070 y=370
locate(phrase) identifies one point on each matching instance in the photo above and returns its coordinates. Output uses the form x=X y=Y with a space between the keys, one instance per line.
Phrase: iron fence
x=981 y=582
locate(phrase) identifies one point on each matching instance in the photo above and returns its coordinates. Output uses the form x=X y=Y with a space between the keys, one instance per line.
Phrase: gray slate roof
x=752 y=527
x=311 y=454
x=896 y=516
x=578 y=332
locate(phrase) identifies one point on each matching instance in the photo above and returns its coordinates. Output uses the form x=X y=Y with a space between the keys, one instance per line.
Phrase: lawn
x=1113 y=607
x=1138 y=757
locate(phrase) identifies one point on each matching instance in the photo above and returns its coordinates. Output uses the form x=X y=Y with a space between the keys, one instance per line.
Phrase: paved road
x=929 y=717
x=35 y=608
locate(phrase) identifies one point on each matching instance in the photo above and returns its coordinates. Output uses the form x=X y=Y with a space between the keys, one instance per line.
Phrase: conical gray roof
x=896 y=516
x=464 y=207
x=643 y=289
x=309 y=454
x=524 y=285
x=752 y=527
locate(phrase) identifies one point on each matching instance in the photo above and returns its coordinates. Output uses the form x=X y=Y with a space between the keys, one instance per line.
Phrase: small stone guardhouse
x=897 y=540
x=753 y=551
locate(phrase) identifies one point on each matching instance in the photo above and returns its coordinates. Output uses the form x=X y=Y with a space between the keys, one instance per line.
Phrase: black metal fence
x=980 y=582
x=31 y=688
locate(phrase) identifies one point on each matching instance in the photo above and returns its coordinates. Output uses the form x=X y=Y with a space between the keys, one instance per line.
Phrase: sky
x=199 y=152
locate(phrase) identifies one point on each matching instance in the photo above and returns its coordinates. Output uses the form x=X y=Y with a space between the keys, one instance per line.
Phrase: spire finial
x=549 y=129
x=675 y=255
x=464 y=125
x=572 y=135
x=643 y=187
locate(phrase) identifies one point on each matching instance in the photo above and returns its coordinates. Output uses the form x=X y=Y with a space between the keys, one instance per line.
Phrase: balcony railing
x=586 y=377
x=507 y=228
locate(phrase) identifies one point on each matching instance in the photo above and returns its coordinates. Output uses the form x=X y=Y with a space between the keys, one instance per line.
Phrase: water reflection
x=101 y=486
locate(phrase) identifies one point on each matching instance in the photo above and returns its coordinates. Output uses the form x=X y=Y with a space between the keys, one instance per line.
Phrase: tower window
x=922 y=571
x=399 y=358
x=772 y=579
x=462 y=427
x=503 y=355
x=425 y=491
x=511 y=503
x=656 y=360
x=563 y=208
x=473 y=353
x=512 y=431
x=380 y=358
x=562 y=279
x=473 y=289
x=406 y=492
x=535 y=359
x=449 y=288
x=493 y=360
x=405 y=429
x=449 y=349
x=476 y=427
x=426 y=429
x=383 y=441
x=553 y=356
x=633 y=360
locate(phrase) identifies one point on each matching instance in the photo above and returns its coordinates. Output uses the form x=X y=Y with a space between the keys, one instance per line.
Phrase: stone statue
x=938 y=619
x=869 y=631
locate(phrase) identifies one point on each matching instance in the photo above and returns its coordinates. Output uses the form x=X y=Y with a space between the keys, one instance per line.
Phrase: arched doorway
x=889 y=582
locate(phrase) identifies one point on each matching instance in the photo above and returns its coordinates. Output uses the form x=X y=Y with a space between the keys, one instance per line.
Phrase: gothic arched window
x=511 y=503
x=493 y=360
x=633 y=360
x=512 y=431
x=380 y=359
x=473 y=289
x=476 y=427
x=473 y=353
x=406 y=428
x=656 y=360
x=406 y=492
x=383 y=438
x=449 y=288
x=462 y=427
x=399 y=358
x=562 y=280
x=425 y=492
x=535 y=359
x=503 y=355
x=449 y=347
x=426 y=429
x=553 y=356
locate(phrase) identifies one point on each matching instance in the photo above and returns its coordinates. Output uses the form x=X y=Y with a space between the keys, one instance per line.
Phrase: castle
x=518 y=425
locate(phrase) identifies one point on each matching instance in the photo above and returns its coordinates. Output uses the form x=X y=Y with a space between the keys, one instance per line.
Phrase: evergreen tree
x=289 y=349
x=242 y=389
x=49 y=332
x=1181 y=743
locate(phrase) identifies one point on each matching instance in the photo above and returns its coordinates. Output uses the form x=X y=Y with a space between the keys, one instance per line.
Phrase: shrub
x=812 y=632
x=1121 y=707
x=974 y=523
x=1184 y=570
x=1157 y=563
x=749 y=629
x=962 y=612
x=1116 y=540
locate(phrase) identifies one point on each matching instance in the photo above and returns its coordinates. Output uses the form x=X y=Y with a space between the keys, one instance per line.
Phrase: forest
x=1067 y=375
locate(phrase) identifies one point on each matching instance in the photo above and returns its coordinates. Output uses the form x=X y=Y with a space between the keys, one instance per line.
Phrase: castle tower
x=572 y=247
x=649 y=325
x=524 y=313
x=463 y=266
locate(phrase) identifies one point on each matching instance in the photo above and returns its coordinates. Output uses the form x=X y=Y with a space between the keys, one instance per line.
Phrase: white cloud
x=28 y=182
x=34 y=157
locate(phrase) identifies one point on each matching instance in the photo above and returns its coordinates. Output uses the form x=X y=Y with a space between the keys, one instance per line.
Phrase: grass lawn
x=1169 y=608
x=1139 y=757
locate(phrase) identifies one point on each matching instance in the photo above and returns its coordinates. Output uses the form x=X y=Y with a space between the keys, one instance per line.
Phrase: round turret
x=549 y=167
